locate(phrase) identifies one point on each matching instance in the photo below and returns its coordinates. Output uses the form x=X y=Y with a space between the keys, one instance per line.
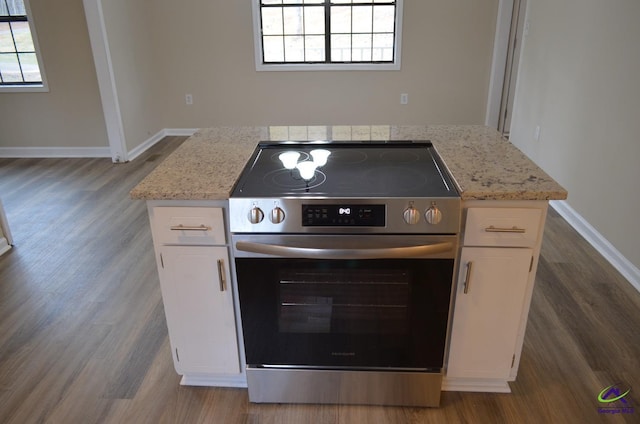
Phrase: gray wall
x=70 y=114
x=161 y=52
x=579 y=81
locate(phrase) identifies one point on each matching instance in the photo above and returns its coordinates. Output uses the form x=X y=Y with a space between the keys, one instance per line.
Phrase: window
x=327 y=34
x=19 y=65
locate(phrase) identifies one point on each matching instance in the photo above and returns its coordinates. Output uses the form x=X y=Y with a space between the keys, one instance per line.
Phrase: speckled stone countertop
x=484 y=165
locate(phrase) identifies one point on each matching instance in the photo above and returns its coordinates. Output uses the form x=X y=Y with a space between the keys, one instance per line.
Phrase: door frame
x=106 y=80
x=504 y=66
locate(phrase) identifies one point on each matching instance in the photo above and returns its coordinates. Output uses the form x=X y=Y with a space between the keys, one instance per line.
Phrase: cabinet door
x=196 y=288
x=487 y=317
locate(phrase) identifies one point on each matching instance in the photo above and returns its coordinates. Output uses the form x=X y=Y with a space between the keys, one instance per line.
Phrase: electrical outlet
x=188 y=98
x=404 y=99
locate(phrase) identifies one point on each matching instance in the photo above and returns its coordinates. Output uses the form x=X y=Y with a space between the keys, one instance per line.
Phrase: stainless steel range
x=344 y=259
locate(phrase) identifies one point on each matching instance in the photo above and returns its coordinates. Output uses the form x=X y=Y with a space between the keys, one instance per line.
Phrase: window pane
x=273 y=47
x=383 y=19
x=22 y=36
x=30 y=68
x=9 y=68
x=272 y=21
x=341 y=48
x=293 y=49
x=361 y=49
x=293 y=23
x=314 y=48
x=314 y=21
x=362 y=19
x=293 y=31
x=3 y=9
x=383 y=47
x=16 y=7
x=341 y=19
x=6 y=39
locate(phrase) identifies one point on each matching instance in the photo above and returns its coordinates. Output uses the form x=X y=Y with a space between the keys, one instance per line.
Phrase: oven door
x=345 y=301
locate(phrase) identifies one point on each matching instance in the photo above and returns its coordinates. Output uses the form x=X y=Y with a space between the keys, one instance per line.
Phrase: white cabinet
x=199 y=309
x=496 y=272
x=489 y=302
x=196 y=278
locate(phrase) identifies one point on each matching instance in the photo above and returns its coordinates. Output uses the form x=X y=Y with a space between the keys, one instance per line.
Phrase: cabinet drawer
x=502 y=227
x=188 y=225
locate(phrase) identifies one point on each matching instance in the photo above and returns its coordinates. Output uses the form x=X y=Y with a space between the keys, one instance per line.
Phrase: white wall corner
x=602 y=245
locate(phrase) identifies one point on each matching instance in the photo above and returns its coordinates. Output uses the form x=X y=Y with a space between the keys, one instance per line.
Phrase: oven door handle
x=403 y=252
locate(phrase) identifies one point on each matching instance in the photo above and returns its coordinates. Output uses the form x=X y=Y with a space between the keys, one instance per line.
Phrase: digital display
x=343 y=215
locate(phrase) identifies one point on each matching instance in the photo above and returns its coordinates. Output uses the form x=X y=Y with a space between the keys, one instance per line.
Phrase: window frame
x=342 y=66
x=30 y=88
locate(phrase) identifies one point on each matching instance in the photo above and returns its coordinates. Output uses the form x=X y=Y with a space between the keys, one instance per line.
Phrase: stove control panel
x=343 y=215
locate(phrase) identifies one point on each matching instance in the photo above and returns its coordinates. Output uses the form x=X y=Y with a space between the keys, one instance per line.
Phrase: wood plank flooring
x=83 y=337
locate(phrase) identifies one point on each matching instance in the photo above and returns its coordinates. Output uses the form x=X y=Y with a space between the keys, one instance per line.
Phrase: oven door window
x=335 y=313
x=345 y=301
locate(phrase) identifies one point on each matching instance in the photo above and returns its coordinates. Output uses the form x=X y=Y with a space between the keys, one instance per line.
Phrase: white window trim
x=40 y=88
x=257 y=42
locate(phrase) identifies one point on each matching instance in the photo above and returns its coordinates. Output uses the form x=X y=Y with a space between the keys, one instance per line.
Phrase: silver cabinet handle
x=223 y=282
x=313 y=253
x=181 y=227
x=467 y=279
x=514 y=229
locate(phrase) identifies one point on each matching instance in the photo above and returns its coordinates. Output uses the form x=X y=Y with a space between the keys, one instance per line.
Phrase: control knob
x=256 y=215
x=433 y=215
x=411 y=215
x=277 y=215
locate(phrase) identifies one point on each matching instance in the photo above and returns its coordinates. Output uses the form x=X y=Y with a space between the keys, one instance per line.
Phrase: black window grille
x=328 y=31
x=18 y=57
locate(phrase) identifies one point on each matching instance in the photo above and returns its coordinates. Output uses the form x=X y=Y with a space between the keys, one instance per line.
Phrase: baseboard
x=4 y=245
x=239 y=381
x=137 y=151
x=188 y=132
x=55 y=152
x=90 y=152
x=484 y=385
x=602 y=245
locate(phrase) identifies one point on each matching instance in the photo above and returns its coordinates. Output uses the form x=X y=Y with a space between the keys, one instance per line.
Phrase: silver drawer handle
x=467 y=280
x=223 y=282
x=514 y=229
x=181 y=227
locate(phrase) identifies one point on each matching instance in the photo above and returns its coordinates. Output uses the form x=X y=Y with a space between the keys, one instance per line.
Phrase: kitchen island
x=504 y=199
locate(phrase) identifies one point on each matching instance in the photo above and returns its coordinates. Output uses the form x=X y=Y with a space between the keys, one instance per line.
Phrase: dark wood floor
x=83 y=337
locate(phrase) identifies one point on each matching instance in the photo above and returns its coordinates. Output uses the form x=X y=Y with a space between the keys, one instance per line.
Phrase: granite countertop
x=484 y=165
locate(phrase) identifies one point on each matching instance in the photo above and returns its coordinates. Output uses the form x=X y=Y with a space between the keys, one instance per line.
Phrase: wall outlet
x=404 y=99
x=188 y=98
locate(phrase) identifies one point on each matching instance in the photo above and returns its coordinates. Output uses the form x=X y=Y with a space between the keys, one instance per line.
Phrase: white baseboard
x=239 y=380
x=188 y=132
x=4 y=245
x=55 y=152
x=485 y=385
x=90 y=152
x=137 y=151
x=602 y=245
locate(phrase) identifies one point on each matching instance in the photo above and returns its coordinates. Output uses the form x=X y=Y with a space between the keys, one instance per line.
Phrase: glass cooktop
x=387 y=169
